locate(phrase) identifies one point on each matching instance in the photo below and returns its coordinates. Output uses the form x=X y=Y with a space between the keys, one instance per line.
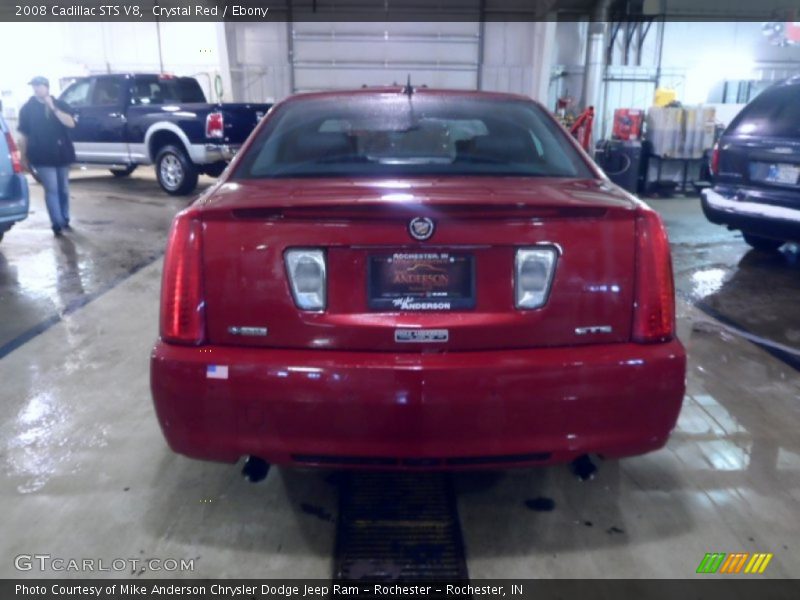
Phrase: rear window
x=774 y=113
x=181 y=90
x=392 y=134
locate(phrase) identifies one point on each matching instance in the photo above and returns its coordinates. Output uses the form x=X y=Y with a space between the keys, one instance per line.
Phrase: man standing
x=45 y=146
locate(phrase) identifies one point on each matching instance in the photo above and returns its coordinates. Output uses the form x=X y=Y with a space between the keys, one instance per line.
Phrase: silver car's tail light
x=307 y=277
x=533 y=275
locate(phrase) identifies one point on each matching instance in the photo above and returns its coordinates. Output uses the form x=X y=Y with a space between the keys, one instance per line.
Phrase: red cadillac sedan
x=405 y=278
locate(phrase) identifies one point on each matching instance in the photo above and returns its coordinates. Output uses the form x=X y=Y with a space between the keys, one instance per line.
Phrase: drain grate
x=400 y=527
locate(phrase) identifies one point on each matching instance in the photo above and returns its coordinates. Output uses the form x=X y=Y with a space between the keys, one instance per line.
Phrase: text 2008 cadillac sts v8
x=398 y=278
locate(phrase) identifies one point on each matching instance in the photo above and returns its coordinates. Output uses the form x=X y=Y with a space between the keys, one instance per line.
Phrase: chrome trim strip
x=594 y=329
x=248 y=331
x=421 y=336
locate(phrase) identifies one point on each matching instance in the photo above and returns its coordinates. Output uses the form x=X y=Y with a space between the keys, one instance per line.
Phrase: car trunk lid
x=248 y=227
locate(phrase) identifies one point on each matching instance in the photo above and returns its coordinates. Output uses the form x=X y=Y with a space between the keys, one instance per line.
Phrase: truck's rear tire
x=119 y=173
x=176 y=173
x=761 y=243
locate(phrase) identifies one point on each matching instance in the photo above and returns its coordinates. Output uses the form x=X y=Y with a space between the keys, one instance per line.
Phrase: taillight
x=654 y=309
x=182 y=301
x=307 y=278
x=533 y=274
x=215 y=125
x=714 y=166
x=16 y=159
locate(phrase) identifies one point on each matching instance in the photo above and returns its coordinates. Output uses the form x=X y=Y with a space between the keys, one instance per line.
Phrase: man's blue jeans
x=56 y=194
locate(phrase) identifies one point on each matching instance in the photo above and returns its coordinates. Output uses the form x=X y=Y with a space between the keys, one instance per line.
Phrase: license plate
x=421 y=281
x=783 y=174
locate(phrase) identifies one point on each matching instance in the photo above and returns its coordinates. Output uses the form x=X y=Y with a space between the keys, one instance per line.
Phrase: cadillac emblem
x=421 y=228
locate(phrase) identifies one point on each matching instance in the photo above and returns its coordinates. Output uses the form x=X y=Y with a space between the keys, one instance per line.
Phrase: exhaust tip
x=583 y=468
x=255 y=469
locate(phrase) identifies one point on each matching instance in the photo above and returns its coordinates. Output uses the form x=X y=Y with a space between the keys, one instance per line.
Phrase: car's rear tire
x=215 y=169
x=761 y=243
x=119 y=173
x=176 y=173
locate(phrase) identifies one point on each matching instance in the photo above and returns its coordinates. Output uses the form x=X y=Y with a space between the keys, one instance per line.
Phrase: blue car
x=13 y=185
x=756 y=170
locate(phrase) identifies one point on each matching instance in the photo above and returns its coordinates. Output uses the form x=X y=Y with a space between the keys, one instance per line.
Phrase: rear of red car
x=436 y=280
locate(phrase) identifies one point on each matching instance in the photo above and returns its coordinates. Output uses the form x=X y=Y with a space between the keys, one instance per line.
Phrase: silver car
x=13 y=185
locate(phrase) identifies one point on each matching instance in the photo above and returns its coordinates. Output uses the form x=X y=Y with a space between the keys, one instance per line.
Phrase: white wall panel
x=517 y=57
x=338 y=55
x=258 y=54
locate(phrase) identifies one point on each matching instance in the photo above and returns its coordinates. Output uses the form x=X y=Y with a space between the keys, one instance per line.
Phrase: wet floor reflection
x=758 y=293
x=69 y=278
x=119 y=225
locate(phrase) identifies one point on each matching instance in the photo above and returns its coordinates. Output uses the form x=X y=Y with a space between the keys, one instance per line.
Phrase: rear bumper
x=751 y=215
x=408 y=410
x=205 y=154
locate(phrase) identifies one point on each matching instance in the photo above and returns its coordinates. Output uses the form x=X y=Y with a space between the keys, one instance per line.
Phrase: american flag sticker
x=217 y=372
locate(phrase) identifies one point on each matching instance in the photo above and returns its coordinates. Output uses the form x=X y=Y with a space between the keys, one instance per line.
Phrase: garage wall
x=569 y=54
x=271 y=60
x=347 y=55
x=258 y=55
x=518 y=56
x=254 y=58
x=697 y=58
x=738 y=51
x=186 y=48
x=76 y=49
x=30 y=59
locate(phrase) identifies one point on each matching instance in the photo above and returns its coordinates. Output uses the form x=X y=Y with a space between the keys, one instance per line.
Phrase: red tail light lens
x=715 y=160
x=182 y=301
x=654 y=310
x=215 y=125
x=16 y=159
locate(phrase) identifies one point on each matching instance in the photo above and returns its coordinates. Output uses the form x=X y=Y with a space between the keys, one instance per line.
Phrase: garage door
x=338 y=55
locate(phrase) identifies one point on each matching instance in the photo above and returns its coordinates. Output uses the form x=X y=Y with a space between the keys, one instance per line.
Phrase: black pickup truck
x=124 y=121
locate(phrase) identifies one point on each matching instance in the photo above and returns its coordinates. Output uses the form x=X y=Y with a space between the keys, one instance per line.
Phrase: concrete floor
x=86 y=474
